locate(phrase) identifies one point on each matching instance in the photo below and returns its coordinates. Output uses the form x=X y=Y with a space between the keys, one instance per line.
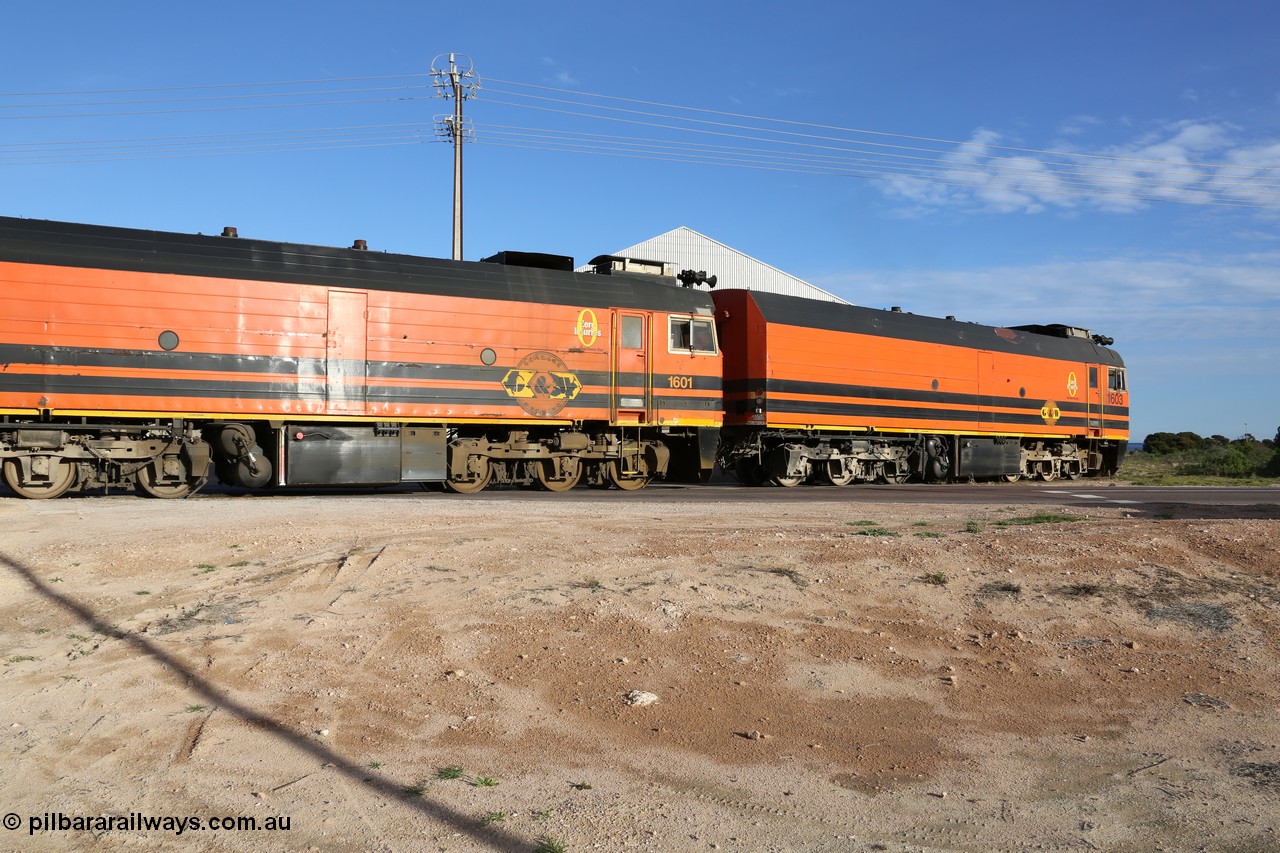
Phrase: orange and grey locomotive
x=154 y=360
x=843 y=394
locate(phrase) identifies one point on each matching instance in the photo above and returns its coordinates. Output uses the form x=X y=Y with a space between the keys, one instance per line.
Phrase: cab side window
x=692 y=335
x=1116 y=379
x=633 y=332
x=681 y=335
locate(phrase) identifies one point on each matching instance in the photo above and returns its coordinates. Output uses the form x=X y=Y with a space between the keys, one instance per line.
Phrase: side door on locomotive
x=1108 y=400
x=666 y=369
x=631 y=381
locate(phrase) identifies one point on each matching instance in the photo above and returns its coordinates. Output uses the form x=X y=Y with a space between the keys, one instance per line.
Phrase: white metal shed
x=686 y=249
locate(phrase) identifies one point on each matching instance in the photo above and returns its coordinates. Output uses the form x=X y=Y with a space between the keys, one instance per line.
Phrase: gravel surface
x=411 y=673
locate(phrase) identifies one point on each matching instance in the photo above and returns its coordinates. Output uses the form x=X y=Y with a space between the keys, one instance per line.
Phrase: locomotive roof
x=103 y=247
x=819 y=314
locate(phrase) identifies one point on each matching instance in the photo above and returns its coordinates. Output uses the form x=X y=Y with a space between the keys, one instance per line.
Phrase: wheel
x=837 y=473
x=547 y=469
x=626 y=482
x=62 y=475
x=1047 y=475
x=482 y=470
x=1071 y=472
x=801 y=472
x=147 y=484
x=254 y=470
x=1011 y=478
x=227 y=439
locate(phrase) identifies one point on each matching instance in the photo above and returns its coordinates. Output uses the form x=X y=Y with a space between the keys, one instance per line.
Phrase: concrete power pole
x=457 y=83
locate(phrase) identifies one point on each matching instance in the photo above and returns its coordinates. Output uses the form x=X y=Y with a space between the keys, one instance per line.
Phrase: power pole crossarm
x=458 y=83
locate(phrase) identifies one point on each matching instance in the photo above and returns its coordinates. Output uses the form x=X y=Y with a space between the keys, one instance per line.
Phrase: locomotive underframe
x=174 y=458
x=556 y=460
x=790 y=457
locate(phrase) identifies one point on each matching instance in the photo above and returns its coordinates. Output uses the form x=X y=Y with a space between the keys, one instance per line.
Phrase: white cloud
x=1078 y=125
x=559 y=75
x=1189 y=162
x=1159 y=300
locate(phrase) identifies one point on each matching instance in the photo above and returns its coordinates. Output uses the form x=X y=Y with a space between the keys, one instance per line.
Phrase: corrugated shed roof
x=688 y=249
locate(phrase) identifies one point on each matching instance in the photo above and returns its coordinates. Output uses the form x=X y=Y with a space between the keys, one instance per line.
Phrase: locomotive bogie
x=554 y=460
x=159 y=460
x=788 y=459
x=759 y=457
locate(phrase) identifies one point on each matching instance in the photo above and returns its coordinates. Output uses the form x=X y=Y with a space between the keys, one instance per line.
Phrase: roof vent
x=613 y=264
x=1054 y=330
x=534 y=260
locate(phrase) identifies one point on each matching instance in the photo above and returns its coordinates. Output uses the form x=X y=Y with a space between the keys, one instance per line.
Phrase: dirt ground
x=427 y=672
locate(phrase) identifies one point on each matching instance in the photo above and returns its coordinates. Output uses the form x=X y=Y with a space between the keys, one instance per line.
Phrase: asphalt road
x=1137 y=501
x=1206 y=501
x=957 y=493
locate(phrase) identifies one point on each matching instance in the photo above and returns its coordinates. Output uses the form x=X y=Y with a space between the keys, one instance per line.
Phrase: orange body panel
x=271 y=349
x=783 y=375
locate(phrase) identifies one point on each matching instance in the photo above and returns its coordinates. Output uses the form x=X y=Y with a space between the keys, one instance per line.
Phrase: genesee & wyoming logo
x=542 y=384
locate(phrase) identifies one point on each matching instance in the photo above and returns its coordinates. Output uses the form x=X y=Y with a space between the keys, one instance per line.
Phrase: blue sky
x=1100 y=164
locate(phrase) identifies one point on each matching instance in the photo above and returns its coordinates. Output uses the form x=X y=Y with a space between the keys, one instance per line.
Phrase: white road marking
x=1092 y=497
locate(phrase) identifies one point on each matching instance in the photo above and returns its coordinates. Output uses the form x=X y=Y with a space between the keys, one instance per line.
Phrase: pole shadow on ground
x=491 y=836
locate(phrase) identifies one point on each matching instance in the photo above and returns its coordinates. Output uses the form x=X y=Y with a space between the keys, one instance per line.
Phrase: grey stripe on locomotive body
x=832 y=316
x=102 y=247
x=310 y=368
x=875 y=392
x=164 y=390
x=310 y=388
x=873 y=412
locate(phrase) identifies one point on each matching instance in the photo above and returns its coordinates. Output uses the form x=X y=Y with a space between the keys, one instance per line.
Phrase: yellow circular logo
x=1050 y=412
x=588 y=328
x=1072 y=385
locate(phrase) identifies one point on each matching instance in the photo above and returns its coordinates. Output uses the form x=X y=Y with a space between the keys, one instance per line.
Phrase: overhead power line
x=953 y=142
x=851 y=172
x=579 y=123
x=965 y=165
x=243 y=97
x=107 y=149
x=820 y=153
x=326 y=80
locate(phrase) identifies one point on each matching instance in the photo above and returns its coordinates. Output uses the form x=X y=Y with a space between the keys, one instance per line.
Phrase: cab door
x=1096 y=399
x=632 y=382
x=1117 y=399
